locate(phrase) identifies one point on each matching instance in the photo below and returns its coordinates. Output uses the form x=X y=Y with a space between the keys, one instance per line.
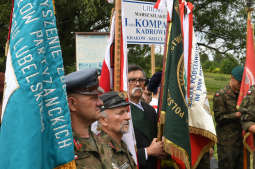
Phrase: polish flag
x=107 y=79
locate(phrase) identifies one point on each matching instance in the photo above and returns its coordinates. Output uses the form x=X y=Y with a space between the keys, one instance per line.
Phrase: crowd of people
x=104 y=150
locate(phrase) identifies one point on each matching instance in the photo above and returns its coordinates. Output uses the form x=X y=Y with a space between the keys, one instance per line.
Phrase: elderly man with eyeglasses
x=85 y=107
x=144 y=120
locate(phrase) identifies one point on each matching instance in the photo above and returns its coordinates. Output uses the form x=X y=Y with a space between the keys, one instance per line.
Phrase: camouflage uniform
x=87 y=155
x=115 y=156
x=247 y=108
x=228 y=128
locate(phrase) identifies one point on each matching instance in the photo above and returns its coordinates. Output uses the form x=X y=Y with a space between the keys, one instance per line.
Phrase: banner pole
x=117 y=44
x=152 y=59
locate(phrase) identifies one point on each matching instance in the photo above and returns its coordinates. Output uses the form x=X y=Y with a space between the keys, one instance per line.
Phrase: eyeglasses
x=134 y=81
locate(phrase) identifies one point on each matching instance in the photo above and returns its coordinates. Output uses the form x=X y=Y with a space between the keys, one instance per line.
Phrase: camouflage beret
x=237 y=72
x=113 y=99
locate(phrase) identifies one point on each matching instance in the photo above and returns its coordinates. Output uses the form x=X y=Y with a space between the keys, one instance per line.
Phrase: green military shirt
x=247 y=108
x=115 y=156
x=86 y=152
x=228 y=126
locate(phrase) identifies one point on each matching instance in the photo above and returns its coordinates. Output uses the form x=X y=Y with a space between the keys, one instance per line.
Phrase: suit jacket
x=144 y=135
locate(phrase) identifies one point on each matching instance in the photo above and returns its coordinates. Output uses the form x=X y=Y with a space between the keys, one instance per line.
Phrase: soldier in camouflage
x=247 y=108
x=113 y=125
x=228 y=126
x=85 y=107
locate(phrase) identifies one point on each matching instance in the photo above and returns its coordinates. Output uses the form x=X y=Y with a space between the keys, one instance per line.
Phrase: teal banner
x=36 y=128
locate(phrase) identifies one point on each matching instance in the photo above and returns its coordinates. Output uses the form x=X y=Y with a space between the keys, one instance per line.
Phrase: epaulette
x=220 y=92
x=111 y=145
x=77 y=144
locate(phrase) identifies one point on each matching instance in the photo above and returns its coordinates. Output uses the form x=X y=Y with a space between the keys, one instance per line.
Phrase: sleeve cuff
x=247 y=125
x=145 y=152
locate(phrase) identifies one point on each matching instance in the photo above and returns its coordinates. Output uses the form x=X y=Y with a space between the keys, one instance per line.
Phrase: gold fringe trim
x=204 y=150
x=203 y=133
x=70 y=165
x=251 y=160
x=247 y=134
x=176 y=151
x=175 y=165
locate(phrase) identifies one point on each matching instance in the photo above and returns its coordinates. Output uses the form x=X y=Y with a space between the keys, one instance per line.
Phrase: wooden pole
x=152 y=59
x=117 y=46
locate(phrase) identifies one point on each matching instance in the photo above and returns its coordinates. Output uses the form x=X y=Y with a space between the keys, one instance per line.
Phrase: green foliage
x=214 y=82
x=222 y=24
x=5 y=11
x=79 y=16
x=140 y=55
x=228 y=64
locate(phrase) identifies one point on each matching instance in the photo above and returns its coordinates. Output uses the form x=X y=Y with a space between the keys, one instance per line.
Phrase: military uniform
x=116 y=156
x=247 y=108
x=87 y=155
x=228 y=128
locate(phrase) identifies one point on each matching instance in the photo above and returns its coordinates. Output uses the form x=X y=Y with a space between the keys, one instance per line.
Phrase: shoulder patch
x=77 y=144
x=217 y=94
x=249 y=92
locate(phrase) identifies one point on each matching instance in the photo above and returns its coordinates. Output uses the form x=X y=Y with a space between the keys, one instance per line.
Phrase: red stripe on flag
x=190 y=48
x=105 y=78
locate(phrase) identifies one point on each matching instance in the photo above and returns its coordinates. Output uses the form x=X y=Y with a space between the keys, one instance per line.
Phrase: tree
x=79 y=16
x=227 y=64
x=222 y=24
x=5 y=10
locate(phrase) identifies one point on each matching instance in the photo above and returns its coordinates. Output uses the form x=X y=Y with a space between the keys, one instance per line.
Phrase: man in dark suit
x=144 y=120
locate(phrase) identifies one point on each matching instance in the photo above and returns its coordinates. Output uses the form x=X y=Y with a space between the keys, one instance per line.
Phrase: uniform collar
x=111 y=143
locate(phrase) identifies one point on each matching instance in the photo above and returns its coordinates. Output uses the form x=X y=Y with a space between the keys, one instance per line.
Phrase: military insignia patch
x=75 y=157
x=217 y=94
x=249 y=92
x=123 y=94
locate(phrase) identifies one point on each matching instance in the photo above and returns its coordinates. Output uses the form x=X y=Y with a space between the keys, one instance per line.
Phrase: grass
x=215 y=82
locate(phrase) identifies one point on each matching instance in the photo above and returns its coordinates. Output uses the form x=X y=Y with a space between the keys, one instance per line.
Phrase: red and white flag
x=201 y=125
x=107 y=79
x=168 y=4
x=249 y=68
x=248 y=80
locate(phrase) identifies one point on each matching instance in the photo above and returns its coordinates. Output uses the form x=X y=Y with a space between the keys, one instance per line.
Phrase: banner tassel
x=70 y=165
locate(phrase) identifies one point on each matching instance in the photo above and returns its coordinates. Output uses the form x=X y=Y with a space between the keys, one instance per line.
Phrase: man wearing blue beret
x=228 y=126
x=85 y=107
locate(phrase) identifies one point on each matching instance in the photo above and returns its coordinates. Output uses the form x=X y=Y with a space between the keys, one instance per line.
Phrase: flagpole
x=117 y=45
x=152 y=59
x=245 y=155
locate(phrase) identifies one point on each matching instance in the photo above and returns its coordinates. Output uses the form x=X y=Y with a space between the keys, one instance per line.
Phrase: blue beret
x=155 y=82
x=113 y=99
x=84 y=80
x=237 y=72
